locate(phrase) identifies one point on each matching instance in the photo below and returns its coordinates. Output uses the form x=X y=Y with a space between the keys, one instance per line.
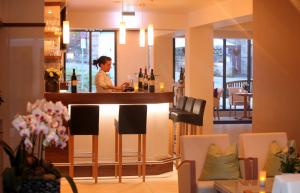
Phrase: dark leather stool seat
x=178 y=114
x=196 y=117
x=132 y=120
x=180 y=106
x=84 y=121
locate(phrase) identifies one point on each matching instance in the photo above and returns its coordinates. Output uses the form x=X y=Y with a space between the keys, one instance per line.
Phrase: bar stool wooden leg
x=171 y=137
x=116 y=152
x=192 y=129
x=95 y=157
x=178 y=133
x=71 y=156
x=120 y=158
x=144 y=157
x=139 y=154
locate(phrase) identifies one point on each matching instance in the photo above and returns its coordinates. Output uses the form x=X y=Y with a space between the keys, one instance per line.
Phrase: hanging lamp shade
x=66 y=32
x=150 y=35
x=142 y=37
x=122 y=33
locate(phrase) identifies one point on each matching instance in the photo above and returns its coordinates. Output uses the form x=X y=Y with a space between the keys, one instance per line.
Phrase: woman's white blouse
x=103 y=82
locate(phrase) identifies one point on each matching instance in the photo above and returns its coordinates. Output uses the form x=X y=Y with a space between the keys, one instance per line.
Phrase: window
x=84 y=47
x=232 y=62
x=179 y=56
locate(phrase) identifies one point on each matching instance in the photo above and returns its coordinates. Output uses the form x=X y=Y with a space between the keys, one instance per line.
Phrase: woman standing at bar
x=102 y=81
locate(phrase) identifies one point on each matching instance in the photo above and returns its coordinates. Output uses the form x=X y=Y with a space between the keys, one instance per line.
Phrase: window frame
x=249 y=67
x=90 y=54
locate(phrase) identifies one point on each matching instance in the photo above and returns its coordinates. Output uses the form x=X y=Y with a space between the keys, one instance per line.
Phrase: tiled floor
x=166 y=183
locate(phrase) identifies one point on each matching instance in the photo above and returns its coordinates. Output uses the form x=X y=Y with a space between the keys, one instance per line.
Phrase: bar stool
x=132 y=120
x=176 y=117
x=84 y=121
x=180 y=107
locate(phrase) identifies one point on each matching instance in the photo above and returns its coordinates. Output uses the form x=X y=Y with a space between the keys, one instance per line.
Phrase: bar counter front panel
x=157 y=123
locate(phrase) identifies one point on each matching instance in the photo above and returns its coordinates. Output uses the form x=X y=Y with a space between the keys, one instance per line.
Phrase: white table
x=287 y=183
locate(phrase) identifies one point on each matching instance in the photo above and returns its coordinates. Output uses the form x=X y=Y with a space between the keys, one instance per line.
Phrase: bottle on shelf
x=152 y=82
x=141 y=76
x=74 y=82
x=145 y=80
x=181 y=76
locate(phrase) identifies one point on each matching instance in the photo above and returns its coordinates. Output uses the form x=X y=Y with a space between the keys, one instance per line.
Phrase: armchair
x=194 y=150
x=235 y=100
x=257 y=145
x=217 y=102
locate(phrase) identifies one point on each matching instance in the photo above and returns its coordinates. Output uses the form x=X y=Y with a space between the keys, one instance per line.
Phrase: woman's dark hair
x=101 y=60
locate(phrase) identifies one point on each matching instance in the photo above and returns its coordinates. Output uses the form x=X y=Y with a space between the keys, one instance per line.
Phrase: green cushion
x=272 y=165
x=219 y=165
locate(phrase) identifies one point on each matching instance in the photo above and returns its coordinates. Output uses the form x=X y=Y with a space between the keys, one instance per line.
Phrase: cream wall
x=243 y=30
x=276 y=67
x=163 y=60
x=218 y=11
x=130 y=57
x=199 y=69
x=111 y=20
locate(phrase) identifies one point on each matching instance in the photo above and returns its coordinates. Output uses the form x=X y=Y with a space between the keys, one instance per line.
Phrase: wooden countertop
x=110 y=98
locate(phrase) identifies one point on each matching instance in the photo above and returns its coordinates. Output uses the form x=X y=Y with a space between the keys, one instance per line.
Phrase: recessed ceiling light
x=49 y=11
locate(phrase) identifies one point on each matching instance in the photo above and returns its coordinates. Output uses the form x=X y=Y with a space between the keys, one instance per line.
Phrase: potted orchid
x=43 y=126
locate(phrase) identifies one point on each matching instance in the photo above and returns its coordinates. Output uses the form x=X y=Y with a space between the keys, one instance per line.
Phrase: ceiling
x=164 y=6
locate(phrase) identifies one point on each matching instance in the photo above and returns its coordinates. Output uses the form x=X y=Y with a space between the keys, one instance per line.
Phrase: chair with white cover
x=256 y=145
x=194 y=149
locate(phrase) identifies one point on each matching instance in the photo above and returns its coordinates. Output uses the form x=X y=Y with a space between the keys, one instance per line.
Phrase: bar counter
x=157 y=126
x=111 y=98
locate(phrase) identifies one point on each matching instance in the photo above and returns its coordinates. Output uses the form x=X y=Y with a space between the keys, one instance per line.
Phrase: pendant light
x=150 y=31
x=66 y=32
x=122 y=29
x=142 y=37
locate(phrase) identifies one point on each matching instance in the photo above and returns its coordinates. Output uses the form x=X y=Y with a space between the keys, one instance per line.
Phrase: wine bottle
x=74 y=82
x=152 y=82
x=145 y=80
x=141 y=76
x=181 y=76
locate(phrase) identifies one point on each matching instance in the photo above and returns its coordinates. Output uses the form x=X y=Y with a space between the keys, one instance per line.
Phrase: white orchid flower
x=44 y=128
x=37 y=112
x=52 y=137
x=46 y=143
x=19 y=123
x=25 y=132
x=62 y=144
x=28 y=143
x=61 y=130
x=59 y=107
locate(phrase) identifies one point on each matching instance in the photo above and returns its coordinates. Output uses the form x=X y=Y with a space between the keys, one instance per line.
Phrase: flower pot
x=52 y=85
x=40 y=186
